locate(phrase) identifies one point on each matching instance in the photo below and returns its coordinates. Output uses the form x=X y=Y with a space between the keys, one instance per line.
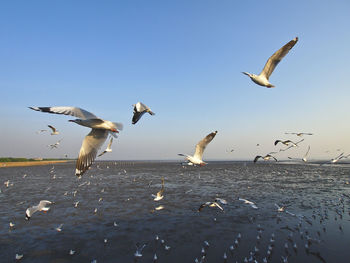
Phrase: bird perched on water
x=200 y=147
x=108 y=149
x=263 y=78
x=54 y=130
x=265 y=158
x=100 y=129
x=299 y=134
x=159 y=195
x=139 y=110
x=42 y=206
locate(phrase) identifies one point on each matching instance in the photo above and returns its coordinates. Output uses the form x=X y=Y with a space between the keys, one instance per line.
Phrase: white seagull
x=159 y=195
x=263 y=78
x=54 y=130
x=139 y=110
x=55 y=144
x=108 y=149
x=200 y=147
x=252 y=204
x=306 y=154
x=299 y=134
x=42 y=206
x=100 y=129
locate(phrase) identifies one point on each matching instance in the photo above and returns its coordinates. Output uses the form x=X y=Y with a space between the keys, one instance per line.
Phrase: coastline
x=30 y=163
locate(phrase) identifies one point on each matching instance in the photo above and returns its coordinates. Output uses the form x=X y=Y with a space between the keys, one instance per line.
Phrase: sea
x=117 y=220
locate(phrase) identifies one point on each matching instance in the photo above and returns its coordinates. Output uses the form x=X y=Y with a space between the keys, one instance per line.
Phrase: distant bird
x=159 y=195
x=300 y=134
x=55 y=145
x=200 y=147
x=210 y=204
x=263 y=78
x=54 y=130
x=280 y=208
x=108 y=149
x=306 y=154
x=291 y=146
x=265 y=158
x=252 y=204
x=287 y=143
x=40 y=131
x=139 y=110
x=336 y=159
x=100 y=129
x=59 y=228
x=42 y=206
x=139 y=249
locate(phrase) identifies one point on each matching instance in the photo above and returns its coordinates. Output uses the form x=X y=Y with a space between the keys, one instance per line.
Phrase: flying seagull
x=252 y=204
x=306 y=154
x=300 y=134
x=108 y=149
x=159 y=195
x=210 y=204
x=265 y=158
x=42 y=206
x=291 y=146
x=287 y=143
x=200 y=147
x=139 y=110
x=54 y=130
x=54 y=145
x=100 y=129
x=263 y=78
x=40 y=131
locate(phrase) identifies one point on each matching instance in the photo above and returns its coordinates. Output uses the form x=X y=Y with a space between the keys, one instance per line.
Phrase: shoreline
x=30 y=163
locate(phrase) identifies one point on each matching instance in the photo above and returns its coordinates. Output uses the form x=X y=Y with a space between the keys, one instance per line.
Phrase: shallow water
x=318 y=195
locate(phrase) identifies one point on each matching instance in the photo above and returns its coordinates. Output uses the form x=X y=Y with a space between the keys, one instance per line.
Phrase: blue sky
x=183 y=59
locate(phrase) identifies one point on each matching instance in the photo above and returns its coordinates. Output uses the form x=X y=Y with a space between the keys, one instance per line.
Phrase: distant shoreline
x=30 y=163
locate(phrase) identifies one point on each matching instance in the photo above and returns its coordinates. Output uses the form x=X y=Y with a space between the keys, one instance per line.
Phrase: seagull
x=305 y=156
x=59 y=228
x=108 y=149
x=200 y=147
x=55 y=144
x=18 y=256
x=339 y=157
x=265 y=158
x=252 y=204
x=40 y=131
x=210 y=204
x=287 y=143
x=54 y=130
x=300 y=134
x=280 y=208
x=139 y=249
x=93 y=141
x=159 y=195
x=42 y=206
x=291 y=146
x=263 y=78
x=139 y=110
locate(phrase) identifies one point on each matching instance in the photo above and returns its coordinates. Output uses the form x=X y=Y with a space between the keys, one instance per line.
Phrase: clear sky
x=183 y=59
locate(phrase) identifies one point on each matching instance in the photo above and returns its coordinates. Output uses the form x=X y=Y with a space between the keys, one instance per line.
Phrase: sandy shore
x=17 y=164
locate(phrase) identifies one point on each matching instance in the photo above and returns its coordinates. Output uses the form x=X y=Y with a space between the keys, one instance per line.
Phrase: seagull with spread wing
x=100 y=129
x=159 y=195
x=263 y=78
x=108 y=149
x=299 y=134
x=54 y=130
x=265 y=158
x=306 y=154
x=139 y=110
x=42 y=206
x=200 y=147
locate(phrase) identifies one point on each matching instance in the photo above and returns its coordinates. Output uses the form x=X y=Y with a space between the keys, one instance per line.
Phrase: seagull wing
x=200 y=147
x=137 y=116
x=88 y=151
x=159 y=194
x=109 y=147
x=256 y=158
x=277 y=141
x=30 y=211
x=102 y=153
x=52 y=128
x=73 y=111
x=308 y=150
x=273 y=61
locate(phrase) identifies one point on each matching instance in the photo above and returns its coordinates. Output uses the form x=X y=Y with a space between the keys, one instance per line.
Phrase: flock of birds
x=101 y=129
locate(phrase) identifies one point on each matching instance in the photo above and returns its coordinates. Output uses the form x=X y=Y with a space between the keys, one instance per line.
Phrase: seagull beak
x=115 y=130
